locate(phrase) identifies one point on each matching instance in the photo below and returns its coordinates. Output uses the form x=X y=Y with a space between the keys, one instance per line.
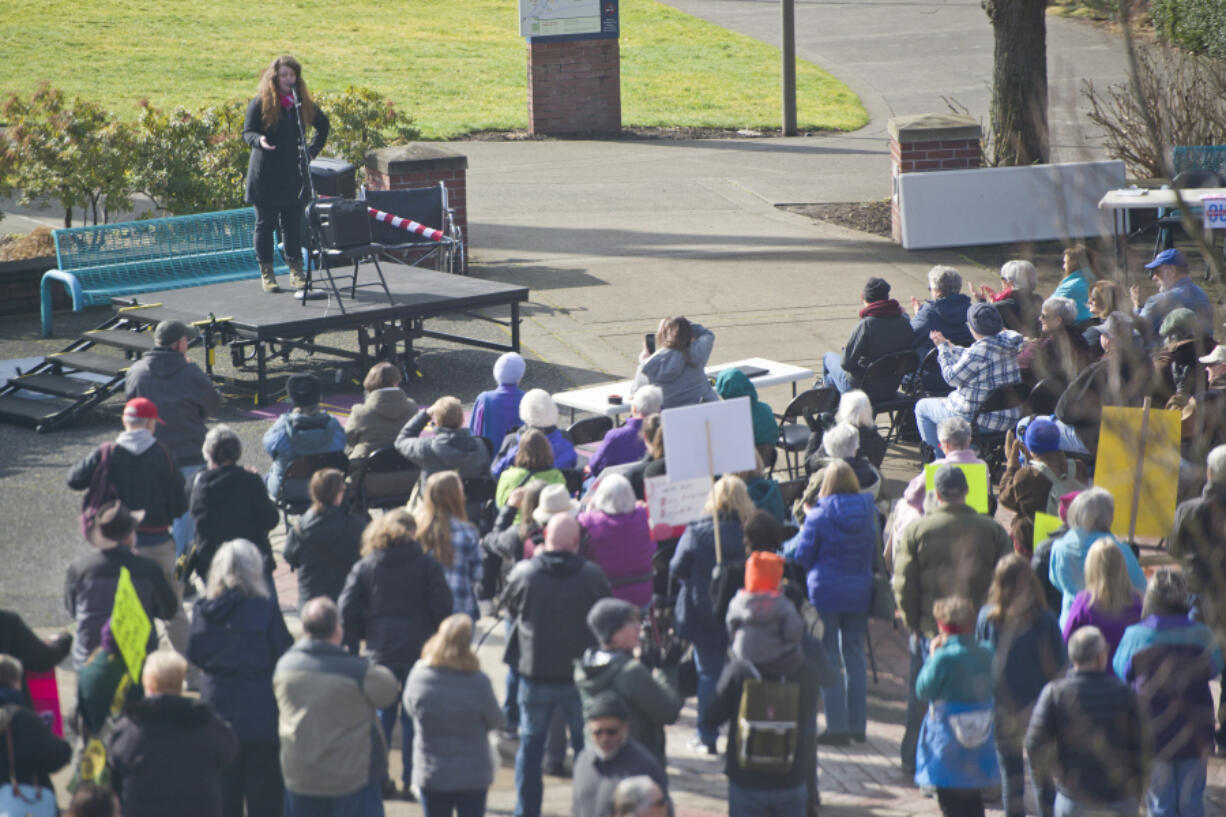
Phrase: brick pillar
x=422 y=165
x=574 y=86
x=928 y=142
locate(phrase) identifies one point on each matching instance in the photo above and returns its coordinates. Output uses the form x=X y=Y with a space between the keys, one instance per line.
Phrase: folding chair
x=794 y=436
x=294 y=495
x=991 y=444
x=891 y=371
x=387 y=479
x=589 y=430
x=427 y=206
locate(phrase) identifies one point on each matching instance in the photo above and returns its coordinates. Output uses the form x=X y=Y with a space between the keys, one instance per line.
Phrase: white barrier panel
x=996 y=205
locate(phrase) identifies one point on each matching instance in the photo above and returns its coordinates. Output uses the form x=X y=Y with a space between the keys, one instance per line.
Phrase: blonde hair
x=450 y=646
x=840 y=478
x=1107 y=579
x=447 y=412
x=393 y=528
x=956 y=610
x=729 y=495
x=443 y=501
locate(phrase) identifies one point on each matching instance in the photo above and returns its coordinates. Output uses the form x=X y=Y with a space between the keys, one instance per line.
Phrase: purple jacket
x=620 y=445
x=496 y=412
x=622 y=546
x=1113 y=625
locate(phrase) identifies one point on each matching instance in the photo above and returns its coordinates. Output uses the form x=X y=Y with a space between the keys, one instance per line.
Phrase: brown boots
x=269 y=278
x=296 y=276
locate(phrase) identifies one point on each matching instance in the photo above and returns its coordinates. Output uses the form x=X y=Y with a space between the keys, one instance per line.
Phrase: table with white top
x=1120 y=202
x=595 y=399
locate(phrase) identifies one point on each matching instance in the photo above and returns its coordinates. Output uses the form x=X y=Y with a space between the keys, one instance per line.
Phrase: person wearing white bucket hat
x=554 y=500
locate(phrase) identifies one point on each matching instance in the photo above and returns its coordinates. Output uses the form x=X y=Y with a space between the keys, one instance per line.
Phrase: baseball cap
x=1218 y=355
x=142 y=408
x=1170 y=257
x=169 y=332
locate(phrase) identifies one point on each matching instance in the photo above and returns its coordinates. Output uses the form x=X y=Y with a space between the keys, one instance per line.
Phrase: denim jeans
x=929 y=412
x=846 y=701
x=183 y=529
x=387 y=717
x=365 y=802
x=709 y=661
x=537 y=702
x=445 y=803
x=915 y=709
x=1066 y=807
x=1177 y=787
x=778 y=802
x=1010 y=734
x=832 y=363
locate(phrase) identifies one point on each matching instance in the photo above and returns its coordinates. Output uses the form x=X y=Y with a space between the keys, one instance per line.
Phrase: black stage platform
x=255 y=323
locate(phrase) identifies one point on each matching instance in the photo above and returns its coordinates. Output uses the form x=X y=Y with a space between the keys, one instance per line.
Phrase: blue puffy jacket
x=836 y=550
x=236 y=641
x=691 y=566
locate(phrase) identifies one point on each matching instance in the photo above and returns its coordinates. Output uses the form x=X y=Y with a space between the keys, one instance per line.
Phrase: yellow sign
x=976 y=482
x=1121 y=462
x=1044 y=525
x=130 y=625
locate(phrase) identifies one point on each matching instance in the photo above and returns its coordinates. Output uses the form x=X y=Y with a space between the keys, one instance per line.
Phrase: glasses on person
x=606 y=732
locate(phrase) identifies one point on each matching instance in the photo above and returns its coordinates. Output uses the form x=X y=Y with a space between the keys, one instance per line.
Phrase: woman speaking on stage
x=276 y=181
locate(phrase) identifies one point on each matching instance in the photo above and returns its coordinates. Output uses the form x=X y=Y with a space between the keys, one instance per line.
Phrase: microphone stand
x=313 y=244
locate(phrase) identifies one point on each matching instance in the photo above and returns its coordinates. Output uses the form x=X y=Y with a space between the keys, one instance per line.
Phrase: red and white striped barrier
x=406 y=224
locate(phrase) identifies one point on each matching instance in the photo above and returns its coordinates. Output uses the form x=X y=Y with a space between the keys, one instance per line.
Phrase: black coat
x=228 y=503
x=149 y=481
x=167 y=756
x=89 y=594
x=38 y=751
x=236 y=641
x=322 y=549
x=874 y=337
x=394 y=599
x=35 y=655
x=274 y=177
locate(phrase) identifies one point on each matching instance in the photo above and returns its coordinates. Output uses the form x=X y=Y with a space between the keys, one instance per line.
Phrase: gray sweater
x=681 y=376
x=452 y=713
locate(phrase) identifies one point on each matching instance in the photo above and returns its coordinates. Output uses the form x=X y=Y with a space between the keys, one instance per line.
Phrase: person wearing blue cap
x=496 y=412
x=1175 y=289
x=1038 y=473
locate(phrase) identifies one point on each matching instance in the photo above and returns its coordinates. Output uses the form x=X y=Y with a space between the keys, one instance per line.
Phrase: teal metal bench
x=99 y=263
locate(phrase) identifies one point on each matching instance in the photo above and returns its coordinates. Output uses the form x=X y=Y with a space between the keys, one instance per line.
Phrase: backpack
x=1059 y=485
x=768 y=725
x=101 y=490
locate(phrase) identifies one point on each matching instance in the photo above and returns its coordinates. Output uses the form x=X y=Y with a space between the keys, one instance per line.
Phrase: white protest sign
x=675 y=503
x=1215 y=212
x=708 y=439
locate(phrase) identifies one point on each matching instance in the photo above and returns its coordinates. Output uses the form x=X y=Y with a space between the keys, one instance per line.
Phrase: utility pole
x=788 y=21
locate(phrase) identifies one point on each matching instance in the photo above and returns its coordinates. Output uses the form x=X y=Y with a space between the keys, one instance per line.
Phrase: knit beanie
x=763 y=572
x=607 y=616
x=509 y=368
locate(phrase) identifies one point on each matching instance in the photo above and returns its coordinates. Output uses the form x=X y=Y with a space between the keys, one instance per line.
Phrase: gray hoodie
x=765 y=627
x=450 y=449
x=681 y=376
x=184 y=396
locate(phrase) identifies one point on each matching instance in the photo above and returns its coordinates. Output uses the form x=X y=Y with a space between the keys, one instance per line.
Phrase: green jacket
x=651 y=696
x=952 y=551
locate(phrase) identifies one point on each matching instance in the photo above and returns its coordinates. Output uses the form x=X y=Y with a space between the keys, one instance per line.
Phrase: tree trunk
x=1019 y=81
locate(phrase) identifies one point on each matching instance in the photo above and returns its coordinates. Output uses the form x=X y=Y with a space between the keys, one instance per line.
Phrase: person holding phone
x=276 y=181
x=678 y=365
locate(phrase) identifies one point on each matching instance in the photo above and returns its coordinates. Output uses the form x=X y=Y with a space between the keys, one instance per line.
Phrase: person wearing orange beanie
x=762 y=622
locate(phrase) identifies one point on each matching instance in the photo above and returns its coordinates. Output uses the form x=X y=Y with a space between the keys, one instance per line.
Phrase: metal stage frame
x=257 y=325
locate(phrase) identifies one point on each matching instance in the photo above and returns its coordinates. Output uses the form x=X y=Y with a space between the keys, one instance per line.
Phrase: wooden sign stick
x=719 y=550
x=1136 y=484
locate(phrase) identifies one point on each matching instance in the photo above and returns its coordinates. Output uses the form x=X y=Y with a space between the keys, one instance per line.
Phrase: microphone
x=294 y=91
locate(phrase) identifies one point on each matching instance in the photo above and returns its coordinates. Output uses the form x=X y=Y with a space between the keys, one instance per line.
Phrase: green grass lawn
x=455 y=66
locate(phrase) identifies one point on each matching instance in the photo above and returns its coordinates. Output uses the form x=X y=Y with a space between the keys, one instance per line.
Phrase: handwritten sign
x=1044 y=525
x=1215 y=212
x=130 y=625
x=675 y=503
x=1119 y=444
x=708 y=439
x=976 y=482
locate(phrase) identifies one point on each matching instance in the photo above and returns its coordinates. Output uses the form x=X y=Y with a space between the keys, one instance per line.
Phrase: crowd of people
x=1060 y=660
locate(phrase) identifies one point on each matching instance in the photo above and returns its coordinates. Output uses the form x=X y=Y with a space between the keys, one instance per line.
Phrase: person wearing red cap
x=147 y=479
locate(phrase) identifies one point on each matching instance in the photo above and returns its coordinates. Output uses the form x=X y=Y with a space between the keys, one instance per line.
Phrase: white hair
x=956 y=431
x=842 y=440
x=1064 y=308
x=633 y=795
x=647 y=400
x=614 y=495
x=237 y=564
x=945 y=280
x=855 y=409
x=1085 y=645
x=221 y=444
x=1020 y=274
x=1216 y=463
x=1092 y=509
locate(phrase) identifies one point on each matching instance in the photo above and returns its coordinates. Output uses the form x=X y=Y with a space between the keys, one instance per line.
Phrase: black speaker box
x=342 y=223
x=334 y=177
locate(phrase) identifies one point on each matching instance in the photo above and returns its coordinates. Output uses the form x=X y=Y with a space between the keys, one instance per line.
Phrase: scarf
x=882 y=309
x=949 y=628
x=1000 y=296
x=287 y=102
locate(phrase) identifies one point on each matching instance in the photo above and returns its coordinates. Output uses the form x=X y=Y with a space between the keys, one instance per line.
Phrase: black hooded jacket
x=228 y=503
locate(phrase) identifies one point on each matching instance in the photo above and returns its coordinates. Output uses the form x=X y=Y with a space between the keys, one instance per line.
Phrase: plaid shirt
x=464 y=573
x=975 y=372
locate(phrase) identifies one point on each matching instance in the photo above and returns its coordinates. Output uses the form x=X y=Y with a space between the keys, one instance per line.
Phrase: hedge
x=1198 y=26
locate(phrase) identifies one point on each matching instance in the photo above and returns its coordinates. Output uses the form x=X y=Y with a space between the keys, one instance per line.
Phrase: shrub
x=192 y=162
x=362 y=120
x=1196 y=25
